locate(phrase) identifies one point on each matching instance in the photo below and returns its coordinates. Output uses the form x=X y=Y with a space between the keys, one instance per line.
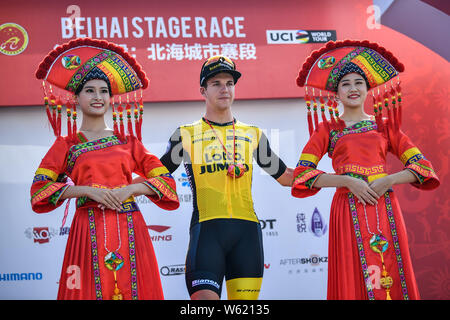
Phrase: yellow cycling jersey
x=215 y=194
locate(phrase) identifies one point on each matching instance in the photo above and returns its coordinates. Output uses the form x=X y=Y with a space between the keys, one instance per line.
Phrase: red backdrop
x=269 y=71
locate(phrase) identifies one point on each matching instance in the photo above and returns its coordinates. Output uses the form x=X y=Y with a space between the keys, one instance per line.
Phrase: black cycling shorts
x=230 y=248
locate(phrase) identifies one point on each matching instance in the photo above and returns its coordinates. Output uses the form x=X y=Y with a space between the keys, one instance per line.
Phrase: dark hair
x=94 y=74
x=351 y=68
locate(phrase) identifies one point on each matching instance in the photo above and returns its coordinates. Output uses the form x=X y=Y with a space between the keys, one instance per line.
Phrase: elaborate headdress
x=325 y=67
x=70 y=65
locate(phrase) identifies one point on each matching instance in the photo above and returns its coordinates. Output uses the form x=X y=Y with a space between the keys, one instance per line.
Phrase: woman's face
x=94 y=98
x=352 y=90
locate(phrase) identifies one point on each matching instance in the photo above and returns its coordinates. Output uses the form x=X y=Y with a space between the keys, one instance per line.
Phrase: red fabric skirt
x=84 y=275
x=352 y=263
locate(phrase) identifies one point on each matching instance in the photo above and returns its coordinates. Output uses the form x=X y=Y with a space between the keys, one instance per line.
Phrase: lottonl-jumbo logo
x=13 y=39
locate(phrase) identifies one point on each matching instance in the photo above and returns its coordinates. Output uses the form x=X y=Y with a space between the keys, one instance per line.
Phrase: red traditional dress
x=355 y=271
x=104 y=163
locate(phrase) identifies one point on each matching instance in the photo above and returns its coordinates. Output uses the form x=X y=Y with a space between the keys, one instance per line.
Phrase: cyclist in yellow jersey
x=218 y=152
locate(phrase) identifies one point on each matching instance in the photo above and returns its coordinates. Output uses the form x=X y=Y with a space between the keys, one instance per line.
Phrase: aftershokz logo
x=299 y=36
x=313 y=260
x=306 y=265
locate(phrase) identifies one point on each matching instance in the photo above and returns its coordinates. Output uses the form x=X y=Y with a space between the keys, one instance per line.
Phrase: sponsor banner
x=22 y=276
x=33 y=243
x=171 y=41
x=316 y=224
x=173 y=270
x=42 y=235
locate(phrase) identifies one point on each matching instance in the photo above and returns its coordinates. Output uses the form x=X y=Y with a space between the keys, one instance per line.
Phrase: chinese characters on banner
x=178 y=52
x=171 y=28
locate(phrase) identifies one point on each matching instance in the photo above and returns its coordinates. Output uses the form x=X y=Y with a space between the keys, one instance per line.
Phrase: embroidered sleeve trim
x=46 y=191
x=422 y=170
x=163 y=188
x=158 y=193
x=46 y=172
x=157 y=172
x=308 y=160
x=54 y=198
x=307 y=177
x=411 y=155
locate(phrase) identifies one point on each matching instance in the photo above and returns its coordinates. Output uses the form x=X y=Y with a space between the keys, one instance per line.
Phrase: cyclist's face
x=219 y=92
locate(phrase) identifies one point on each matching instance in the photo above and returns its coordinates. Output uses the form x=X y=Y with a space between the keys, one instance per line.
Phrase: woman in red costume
x=109 y=254
x=368 y=255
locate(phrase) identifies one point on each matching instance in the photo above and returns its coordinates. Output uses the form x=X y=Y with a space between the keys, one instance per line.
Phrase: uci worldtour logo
x=299 y=36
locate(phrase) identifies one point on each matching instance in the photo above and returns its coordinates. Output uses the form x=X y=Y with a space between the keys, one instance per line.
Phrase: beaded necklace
x=113 y=260
x=379 y=244
x=235 y=170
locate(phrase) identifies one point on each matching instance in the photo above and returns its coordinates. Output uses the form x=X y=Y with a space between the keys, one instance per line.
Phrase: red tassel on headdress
x=394 y=108
x=114 y=115
x=129 y=123
x=333 y=124
x=379 y=116
x=341 y=123
x=47 y=107
x=137 y=121
x=316 y=117
x=375 y=109
x=141 y=114
x=69 y=123
x=322 y=110
x=74 y=123
x=141 y=111
x=399 y=100
x=53 y=112
x=49 y=114
x=389 y=112
x=121 y=127
x=308 y=115
x=58 y=119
